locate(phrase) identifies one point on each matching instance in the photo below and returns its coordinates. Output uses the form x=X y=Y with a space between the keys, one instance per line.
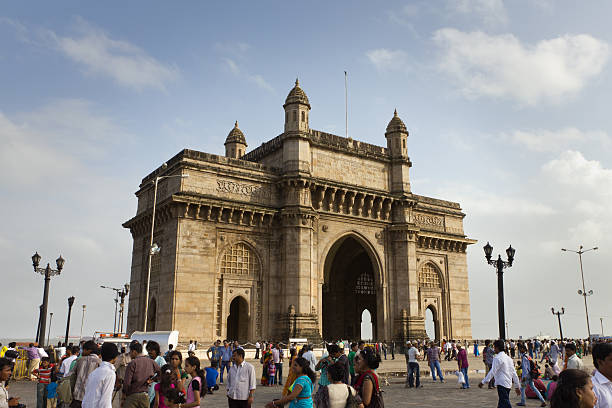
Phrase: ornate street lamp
x=500 y=265
x=82 y=320
x=559 y=313
x=70 y=303
x=48 y=272
x=583 y=292
x=122 y=295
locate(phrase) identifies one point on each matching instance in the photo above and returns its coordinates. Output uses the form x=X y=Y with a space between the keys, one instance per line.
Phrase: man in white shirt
x=504 y=374
x=412 y=366
x=191 y=346
x=70 y=357
x=257 y=350
x=101 y=381
x=572 y=359
x=310 y=357
x=241 y=382
x=602 y=378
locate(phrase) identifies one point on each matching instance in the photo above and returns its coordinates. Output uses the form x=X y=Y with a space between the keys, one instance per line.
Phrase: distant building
x=297 y=238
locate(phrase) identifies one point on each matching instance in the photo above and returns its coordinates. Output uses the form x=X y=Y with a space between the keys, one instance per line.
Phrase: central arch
x=351 y=285
x=238 y=320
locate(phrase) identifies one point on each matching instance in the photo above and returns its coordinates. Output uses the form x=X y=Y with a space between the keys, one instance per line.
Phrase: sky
x=507 y=105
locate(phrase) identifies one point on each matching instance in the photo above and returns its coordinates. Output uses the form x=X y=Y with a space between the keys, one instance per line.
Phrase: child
x=211 y=377
x=43 y=373
x=271 y=373
x=52 y=392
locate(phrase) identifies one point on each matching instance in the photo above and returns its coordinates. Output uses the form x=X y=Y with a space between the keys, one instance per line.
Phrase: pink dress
x=161 y=397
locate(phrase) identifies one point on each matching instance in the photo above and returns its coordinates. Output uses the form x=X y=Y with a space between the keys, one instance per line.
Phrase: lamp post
x=82 y=320
x=70 y=303
x=116 y=304
x=122 y=295
x=153 y=248
x=48 y=272
x=601 y=322
x=559 y=313
x=50 y=321
x=500 y=265
x=583 y=292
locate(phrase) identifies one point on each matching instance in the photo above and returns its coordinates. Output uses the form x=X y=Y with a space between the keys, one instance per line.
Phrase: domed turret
x=235 y=143
x=397 y=136
x=297 y=109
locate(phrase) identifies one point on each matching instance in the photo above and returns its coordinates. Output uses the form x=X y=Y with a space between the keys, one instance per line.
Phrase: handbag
x=351 y=400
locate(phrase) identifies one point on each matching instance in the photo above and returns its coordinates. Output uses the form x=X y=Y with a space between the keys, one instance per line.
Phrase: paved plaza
x=432 y=394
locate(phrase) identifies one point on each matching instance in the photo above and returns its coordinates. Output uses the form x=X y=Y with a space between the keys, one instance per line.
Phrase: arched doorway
x=348 y=290
x=152 y=316
x=366 y=325
x=238 y=320
x=430 y=323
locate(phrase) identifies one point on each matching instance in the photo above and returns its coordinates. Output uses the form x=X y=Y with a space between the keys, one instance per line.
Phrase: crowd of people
x=89 y=375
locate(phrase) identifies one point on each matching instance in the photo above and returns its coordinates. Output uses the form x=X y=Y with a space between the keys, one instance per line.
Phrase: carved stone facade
x=296 y=239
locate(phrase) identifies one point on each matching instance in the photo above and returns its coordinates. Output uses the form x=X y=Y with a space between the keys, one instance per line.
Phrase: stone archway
x=238 y=320
x=349 y=288
x=432 y=325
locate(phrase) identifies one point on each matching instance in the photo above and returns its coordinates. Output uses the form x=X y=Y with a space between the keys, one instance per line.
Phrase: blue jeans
x=226 y=365
x=465 y=377
x=530 y=384
x=503 y=395
x=414 y=370
x=435 y=367
x=279 y=373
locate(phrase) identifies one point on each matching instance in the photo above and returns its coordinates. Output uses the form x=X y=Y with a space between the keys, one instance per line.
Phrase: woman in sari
x=301 y=390
x=265 y=360
x=291 y=376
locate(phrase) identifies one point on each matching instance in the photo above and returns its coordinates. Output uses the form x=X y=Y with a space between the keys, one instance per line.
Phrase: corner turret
x=235 y=143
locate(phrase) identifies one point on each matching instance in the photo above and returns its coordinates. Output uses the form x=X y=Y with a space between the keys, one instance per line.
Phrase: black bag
x=352 y=401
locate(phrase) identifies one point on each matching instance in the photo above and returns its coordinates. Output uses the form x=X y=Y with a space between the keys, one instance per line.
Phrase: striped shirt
x=44 y=374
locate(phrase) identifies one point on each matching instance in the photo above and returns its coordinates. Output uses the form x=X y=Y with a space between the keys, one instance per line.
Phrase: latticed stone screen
x=240 y=260
x=429 y=277
x=365 y=284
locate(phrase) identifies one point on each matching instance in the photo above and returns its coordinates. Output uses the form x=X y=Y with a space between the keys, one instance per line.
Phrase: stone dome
x=297 y=95
x=236 y=136
x=396 y=124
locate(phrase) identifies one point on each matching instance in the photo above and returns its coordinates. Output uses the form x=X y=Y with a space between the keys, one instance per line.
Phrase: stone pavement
x=432 y=394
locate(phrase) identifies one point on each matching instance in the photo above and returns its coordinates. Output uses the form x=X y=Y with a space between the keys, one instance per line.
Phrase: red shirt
x=462 y=358
x=44 y=374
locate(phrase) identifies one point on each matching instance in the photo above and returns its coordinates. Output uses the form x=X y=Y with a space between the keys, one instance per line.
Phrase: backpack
x=534 y=369
x=352 y=401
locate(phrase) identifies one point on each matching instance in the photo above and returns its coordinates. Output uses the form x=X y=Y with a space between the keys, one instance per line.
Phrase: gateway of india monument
x=300 y=237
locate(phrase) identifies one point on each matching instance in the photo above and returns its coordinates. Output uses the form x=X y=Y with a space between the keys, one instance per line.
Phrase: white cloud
x=543 y=140
x=120 y=60
x=492 y=12
x=574 y=170
x=503 y=67
x=388 y=60
x=240 y=72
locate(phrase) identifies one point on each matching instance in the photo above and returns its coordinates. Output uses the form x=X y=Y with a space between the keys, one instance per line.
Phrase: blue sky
x=507 y=104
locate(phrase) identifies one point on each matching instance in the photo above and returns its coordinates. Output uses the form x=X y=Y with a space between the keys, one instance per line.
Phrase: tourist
x=351 y=360
x=121 y=364
x=241 y=382
x=226 y=359
x=155 y=354
x=393 y=350
x=257 y=349
x=278 y=361
x=191 y=346
x=309 y=355
x=212 y=373
x=169 y=380
x=266 y=358
x=447 y=350
x=197 y=387
x=574 y=390
x=43 y=374
x=527 y=377
x=433 y=360
x=167 y=353
x=573 y=362
x=301 y=389
x=384 y=349
x=502 y=370
x=6 y=371
x=488 y=353
x=67 y=362
x=335 y=394
x=33 y=360
x=553 y=356
x=176 y=363
x=602 y=377
x=338 y=356
x=476 y=351
x=366 y=383
x=537 y=346
x=412 y=366
x=551 y=387
x=512 y=346
x=83 y=367
x=138 y=377
x=325 y=361
x=214 y=355
x=291 y=376
x=462 y=362
x=361 y=345
x=101 y=382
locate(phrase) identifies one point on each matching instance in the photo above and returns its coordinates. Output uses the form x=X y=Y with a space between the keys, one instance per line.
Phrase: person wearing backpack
x=337 y=394
x=529 y=373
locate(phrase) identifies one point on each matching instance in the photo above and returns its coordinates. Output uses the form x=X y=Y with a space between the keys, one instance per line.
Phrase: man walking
x=240 y=382
x=138 y=376
x=433 y=360
x=309 y=356
x=278 y=362
x=214 y=356
x=257 y=349
x=462 y=362
x=488 y=353
x=526 y=377
x=351 y=360
x=412 y=353
x=101 y=382
x=572 y=358
x=84 y=366
x=226 y=359
x=502 y=370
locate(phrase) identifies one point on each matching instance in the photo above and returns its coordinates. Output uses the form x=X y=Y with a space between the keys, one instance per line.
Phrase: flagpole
x=345 y=105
